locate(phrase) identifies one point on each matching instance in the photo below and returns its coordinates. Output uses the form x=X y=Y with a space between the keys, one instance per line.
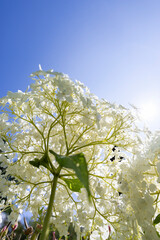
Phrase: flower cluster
x=139 y=184
x=57 y=114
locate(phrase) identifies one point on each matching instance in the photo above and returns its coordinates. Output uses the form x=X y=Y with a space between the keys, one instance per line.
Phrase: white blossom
x=59 y=114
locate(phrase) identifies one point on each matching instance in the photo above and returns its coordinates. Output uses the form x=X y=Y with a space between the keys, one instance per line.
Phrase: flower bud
x=14 y=227
x=109 y=229
x=54 y=236
x=4 y=231
x=39 y=226
x=28 y=231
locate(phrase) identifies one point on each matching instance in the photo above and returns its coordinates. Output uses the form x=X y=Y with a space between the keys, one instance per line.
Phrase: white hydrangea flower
x=58 y=114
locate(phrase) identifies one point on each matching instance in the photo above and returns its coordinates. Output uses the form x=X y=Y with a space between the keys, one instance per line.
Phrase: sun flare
x=149 y=111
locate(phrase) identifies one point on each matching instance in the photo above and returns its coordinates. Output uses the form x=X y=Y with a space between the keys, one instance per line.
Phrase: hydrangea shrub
x=57 y=134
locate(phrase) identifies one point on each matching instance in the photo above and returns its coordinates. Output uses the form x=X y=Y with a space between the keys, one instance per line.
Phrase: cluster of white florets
x=59 y=114
x=139 y=185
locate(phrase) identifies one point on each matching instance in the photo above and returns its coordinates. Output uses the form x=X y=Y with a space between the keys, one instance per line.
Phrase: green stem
x=44 y=233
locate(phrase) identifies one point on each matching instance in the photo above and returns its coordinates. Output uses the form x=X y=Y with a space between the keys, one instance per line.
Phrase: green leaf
x=157 y=220
x=41 y=162
x=73 y=184
x=158 y=234
x=35 y=162
x=77 y=163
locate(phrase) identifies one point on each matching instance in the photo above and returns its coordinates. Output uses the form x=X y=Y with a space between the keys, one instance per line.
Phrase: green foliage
x=41 y=162
x=158 y=234
x=73 y=184
x=77 y=163
x=157 y=219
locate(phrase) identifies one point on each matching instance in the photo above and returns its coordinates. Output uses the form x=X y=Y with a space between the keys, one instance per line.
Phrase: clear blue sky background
x=113 y=46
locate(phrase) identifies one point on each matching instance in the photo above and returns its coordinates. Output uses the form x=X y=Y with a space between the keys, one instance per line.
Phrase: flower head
x=58 y=115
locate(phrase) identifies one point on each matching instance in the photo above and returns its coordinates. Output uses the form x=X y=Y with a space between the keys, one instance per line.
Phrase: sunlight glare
x=149 y=111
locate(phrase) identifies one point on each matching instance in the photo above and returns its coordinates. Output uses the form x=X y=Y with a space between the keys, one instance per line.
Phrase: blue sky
x=113 y=46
